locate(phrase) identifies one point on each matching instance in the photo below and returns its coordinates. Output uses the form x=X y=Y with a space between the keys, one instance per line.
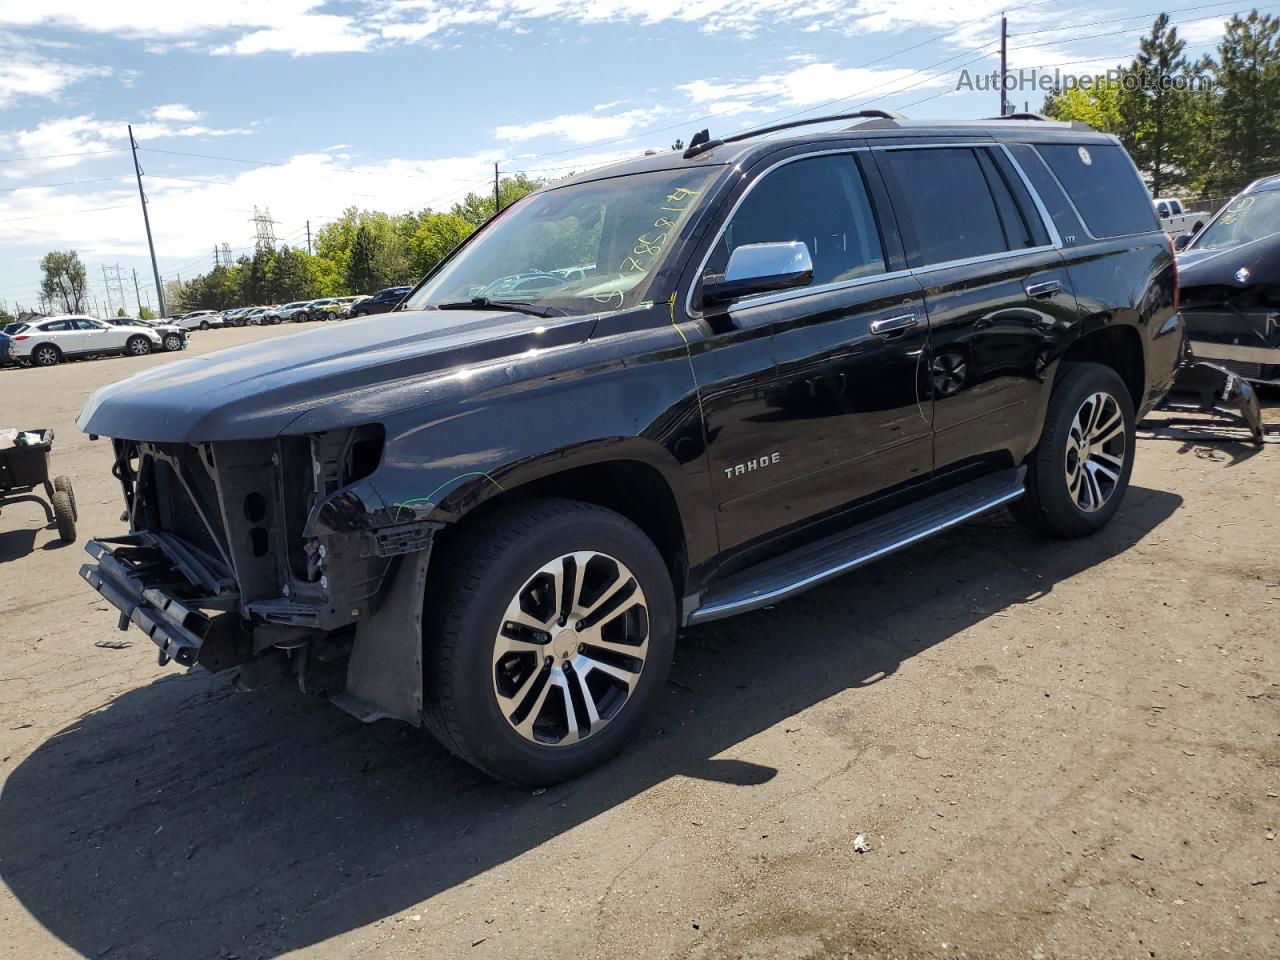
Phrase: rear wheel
x=204 y=324
x=138 y=346
x=551 y=642
x=1079 y=472
x=172 y=342
x=46 y=355
x=65 y=516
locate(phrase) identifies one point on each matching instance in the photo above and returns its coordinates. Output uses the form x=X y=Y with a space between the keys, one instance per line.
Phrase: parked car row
x=50 y=340
x=297 y=311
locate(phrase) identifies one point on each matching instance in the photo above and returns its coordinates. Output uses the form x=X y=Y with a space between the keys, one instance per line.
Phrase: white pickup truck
x=1176 y=220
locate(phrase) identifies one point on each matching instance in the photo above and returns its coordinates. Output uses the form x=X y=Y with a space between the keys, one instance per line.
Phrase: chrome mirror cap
x=761 y=268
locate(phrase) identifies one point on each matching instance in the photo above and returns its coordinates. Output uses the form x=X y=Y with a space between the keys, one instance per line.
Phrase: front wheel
x=1079 y=472
x=64 y=516
x=138 y=346
x=172 y=342
x=551 y=642
x=204 y=324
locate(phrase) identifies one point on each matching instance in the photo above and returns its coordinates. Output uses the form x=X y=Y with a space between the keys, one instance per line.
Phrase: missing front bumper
x=155 y=589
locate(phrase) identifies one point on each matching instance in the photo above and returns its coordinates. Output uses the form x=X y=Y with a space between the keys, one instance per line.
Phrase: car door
x=812 y=396
x=102 y=337
x=67 y=335
x=995 y=287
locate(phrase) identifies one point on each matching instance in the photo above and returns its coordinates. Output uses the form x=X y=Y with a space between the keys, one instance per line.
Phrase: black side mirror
x=1180 y=242
x=761 y=268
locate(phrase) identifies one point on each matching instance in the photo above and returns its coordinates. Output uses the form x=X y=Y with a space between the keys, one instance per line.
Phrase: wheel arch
x=628 y=482
x=46 y=343
x=1118 y=346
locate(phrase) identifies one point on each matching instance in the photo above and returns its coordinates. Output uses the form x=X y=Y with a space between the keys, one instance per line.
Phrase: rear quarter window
x=1103 y=185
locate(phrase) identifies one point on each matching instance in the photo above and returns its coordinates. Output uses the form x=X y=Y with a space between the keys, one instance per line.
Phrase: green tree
x=362 y=267
x=1099 y=106
x=146 y=313
x=65 y=281
x=1245 y=134
x=1158 y=117
x=436 y=237
x=476 y=208
x=288 y=277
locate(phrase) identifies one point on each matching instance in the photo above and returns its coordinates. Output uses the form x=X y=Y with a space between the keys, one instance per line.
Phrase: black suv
x=719 y=378
x=381 y=302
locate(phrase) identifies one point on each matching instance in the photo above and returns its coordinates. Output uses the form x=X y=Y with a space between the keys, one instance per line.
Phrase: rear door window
x=949 y=205
x=1104 y=186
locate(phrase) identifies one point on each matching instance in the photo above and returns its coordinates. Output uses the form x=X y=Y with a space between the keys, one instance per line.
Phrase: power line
x=1135 y=16
x=59 y=156
x=64 y=213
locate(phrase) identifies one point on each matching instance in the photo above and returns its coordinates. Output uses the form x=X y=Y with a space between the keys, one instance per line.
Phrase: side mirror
x=1180 y=242
x=761 y=268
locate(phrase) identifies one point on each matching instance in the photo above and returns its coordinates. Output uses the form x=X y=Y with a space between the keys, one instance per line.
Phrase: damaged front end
x=275 y=556
x=1236 y=326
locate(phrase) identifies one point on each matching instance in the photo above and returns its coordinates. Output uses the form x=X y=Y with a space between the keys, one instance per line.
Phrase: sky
x=305 y=107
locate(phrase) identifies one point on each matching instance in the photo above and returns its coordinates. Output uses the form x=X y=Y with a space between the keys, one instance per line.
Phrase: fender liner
x=384 y=674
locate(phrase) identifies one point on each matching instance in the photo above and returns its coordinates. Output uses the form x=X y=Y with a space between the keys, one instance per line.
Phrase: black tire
x=358 y=314
x=204 y=324
x=1048 y=507
x=46 y=355
x=65 y=517
x=172 y=342
x=63 y=485
x=485 y=570
x=137 y=346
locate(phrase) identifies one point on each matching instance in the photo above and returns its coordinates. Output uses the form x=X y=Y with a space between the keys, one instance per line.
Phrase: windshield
x=577 y=249
x=1246 y=218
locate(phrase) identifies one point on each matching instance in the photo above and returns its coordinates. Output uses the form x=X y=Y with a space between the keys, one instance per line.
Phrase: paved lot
x=1055 y=750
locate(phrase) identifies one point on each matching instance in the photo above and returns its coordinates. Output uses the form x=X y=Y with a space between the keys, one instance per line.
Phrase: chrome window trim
x=800 y=292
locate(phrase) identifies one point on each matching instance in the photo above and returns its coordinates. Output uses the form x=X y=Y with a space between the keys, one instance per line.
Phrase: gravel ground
x=1055 y=750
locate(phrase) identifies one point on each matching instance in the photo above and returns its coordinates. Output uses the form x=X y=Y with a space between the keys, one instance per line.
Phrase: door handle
x=890 y=325
x=1039 y=291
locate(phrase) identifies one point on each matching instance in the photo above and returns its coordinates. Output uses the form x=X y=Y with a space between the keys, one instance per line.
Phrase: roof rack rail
x=1019 y=116
x=702 y=141
x=1041 y=118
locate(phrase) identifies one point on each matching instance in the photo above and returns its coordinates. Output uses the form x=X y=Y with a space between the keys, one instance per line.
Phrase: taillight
x=1177 y=284
x=20 y=336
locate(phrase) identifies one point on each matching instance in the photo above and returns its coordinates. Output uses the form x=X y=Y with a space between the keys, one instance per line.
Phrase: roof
x=745 y=149
x=1266 y=183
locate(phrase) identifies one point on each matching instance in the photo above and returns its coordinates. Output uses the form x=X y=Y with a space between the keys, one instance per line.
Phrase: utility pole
x=1004 y=64
x=136 y=292
x=497 y=197
x=308 y=238
x=107 y=287
x=155 y=270
x=215 y=257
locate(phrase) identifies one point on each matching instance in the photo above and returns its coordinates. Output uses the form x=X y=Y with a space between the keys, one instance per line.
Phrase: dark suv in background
x=718 y=378
x=380 y=302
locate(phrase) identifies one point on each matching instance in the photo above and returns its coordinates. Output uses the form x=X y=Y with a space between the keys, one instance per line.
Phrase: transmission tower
x=224 y=255
x=264 y=228
x=114 y=286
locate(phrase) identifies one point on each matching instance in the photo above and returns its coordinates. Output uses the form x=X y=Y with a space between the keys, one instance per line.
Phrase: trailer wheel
x=64 y=484
x=64 y=515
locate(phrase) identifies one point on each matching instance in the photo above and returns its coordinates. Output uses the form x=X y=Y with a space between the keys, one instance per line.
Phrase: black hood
x=334 y=376
x=1218 y=267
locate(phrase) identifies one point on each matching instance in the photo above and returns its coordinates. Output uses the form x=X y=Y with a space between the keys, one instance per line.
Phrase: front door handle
x=1038 y=291
x=891 y=325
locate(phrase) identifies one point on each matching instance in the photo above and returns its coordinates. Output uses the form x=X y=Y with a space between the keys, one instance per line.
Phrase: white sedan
x=46 y=342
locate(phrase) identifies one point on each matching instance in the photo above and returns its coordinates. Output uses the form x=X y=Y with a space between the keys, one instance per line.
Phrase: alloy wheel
x=139 y=347
x=1096 y=450
x=46 y=357
x=173 y=342
x=570 y=649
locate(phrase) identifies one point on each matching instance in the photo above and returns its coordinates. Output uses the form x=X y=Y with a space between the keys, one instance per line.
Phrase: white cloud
x=806 y=85
x=303 y=35
x=175 y=111
x=60 y=143
x=578 y=127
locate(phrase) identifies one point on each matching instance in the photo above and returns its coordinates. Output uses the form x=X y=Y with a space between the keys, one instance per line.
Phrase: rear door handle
x=1047 y=288
x=890 y=325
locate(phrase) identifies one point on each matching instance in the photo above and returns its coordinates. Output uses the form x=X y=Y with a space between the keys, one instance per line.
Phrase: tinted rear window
x=1104 y=186
x=949 y=203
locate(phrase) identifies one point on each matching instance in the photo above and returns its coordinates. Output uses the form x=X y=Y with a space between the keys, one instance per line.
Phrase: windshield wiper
x=484 y=303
